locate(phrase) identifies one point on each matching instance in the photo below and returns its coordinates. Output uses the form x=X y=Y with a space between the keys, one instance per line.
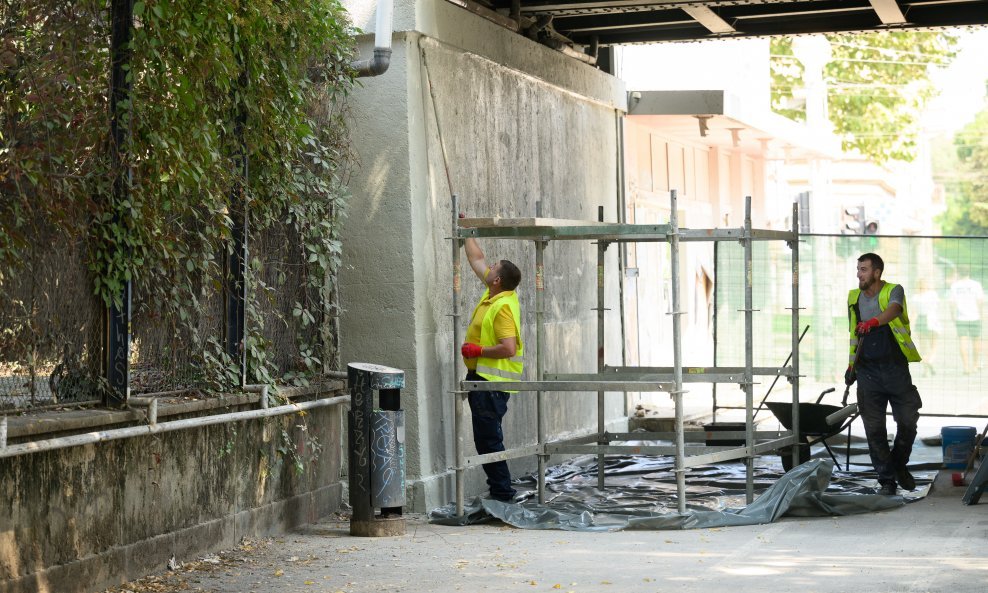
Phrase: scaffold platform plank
x=588 y=386
x=546 y=229
x=690 y=374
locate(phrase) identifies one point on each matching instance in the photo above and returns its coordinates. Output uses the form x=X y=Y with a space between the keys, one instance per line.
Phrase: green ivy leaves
x=195 y=67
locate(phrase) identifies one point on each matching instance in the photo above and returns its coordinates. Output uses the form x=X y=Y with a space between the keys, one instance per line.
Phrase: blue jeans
x=880 y=385
x=487 y=409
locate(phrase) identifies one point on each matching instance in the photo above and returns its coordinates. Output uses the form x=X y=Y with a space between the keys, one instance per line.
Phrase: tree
x=967 y=187
x=878 y=84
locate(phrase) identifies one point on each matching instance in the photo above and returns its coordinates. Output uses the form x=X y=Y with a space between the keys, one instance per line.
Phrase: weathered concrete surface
x=935 y=545
x=520 y=124
x=82 y=518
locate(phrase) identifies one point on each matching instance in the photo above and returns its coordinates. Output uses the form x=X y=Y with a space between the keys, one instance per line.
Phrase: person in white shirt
x=926 y=314
x=968 y=298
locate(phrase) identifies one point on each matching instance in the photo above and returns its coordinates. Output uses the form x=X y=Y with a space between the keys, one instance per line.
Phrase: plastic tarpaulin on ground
x=576 y=505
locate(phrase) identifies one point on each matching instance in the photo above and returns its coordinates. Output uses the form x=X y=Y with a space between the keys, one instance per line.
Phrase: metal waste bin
x=387 y=459
x=377 y=450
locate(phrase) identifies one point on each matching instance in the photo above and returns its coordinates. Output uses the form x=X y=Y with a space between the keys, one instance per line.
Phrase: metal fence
x=951 y=378
x=51 y=323
x=49 y=326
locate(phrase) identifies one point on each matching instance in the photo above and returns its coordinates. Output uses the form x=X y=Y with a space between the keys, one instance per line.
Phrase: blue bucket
x=958 y=443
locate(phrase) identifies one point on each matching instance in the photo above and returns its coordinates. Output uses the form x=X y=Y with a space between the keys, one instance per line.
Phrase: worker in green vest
x=492 y=352
x=879 y=326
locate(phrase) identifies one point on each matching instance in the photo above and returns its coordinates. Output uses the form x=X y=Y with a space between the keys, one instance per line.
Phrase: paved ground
x=935 y=544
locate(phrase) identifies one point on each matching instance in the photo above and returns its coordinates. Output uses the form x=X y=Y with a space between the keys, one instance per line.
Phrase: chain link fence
x=942 y=277
x=51 y=324
x=54 y=69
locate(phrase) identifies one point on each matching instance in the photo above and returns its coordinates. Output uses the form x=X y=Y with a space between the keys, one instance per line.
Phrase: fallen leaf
x=279 y=572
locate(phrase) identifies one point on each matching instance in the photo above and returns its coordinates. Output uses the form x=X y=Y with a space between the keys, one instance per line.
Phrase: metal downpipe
x=382 y=43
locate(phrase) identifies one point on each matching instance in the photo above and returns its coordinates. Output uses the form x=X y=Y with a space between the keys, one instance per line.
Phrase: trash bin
x=387 y=459
x=376 y=437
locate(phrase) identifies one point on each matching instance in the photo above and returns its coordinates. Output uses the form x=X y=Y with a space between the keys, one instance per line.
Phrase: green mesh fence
x=951 y=376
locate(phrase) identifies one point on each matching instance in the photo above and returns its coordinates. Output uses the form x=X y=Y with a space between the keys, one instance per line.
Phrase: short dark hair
x=875 y=259
x=510 y=275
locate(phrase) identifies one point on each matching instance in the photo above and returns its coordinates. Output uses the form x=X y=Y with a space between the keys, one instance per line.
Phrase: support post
x=543 y=457
x=713 y=411
x=677 y=354
x=235 y=262
x=601 y=427
x=118 y=315
x=794 y=247
x=458 y=451
x=749 y=387
x=235 y=284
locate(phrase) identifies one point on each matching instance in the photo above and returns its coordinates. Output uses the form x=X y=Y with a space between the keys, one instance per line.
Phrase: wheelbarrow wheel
x=786 y=454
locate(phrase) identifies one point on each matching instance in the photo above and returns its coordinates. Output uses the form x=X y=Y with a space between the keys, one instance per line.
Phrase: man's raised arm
x=475 y=255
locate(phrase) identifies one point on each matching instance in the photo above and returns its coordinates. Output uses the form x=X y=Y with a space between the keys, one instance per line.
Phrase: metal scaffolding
x=630 y=379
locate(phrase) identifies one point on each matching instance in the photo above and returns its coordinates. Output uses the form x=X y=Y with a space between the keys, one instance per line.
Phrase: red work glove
x=866 y=326
x=469 y=350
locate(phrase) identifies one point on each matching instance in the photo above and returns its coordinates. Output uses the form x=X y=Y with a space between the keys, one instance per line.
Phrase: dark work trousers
x=487 y=408
x=882 y=384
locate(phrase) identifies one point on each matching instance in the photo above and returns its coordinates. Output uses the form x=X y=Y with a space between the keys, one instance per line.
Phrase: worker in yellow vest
x=492 y=352
x=879 y=325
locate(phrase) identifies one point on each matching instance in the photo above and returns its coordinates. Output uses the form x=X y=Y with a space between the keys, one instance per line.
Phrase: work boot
x=886 y=488
x=905 y=478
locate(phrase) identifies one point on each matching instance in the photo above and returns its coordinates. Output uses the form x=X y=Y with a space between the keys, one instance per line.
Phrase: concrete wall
x=85 y=518
x=520 y=123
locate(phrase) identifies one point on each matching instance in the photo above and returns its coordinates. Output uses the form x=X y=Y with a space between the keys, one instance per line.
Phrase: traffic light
x=855 y=221
x=871 y=227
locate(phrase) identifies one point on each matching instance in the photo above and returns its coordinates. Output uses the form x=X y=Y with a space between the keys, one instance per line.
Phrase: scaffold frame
x=621 y=378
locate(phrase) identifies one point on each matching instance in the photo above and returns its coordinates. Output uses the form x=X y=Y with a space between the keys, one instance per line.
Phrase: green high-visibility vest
x=899 y=325
x=500 y=369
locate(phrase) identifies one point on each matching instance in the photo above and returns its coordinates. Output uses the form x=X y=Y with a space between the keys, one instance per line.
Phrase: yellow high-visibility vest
x=500 y=369
x=899 y=325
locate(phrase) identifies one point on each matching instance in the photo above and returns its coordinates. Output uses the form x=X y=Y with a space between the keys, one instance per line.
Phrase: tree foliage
x=878 y=84
x=967 y=183
x=284 y=64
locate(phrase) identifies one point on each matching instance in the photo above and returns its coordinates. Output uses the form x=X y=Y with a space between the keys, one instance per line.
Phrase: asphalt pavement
x=931 y=545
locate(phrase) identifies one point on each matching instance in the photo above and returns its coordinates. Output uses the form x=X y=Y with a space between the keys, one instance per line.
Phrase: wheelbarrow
x=817 y=423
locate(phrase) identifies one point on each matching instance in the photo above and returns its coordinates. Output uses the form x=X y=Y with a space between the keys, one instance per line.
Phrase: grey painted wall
x=521 y=123
x=84 y=518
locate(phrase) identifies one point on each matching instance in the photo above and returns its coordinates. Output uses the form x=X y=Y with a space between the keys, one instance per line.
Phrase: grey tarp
x=800 y=493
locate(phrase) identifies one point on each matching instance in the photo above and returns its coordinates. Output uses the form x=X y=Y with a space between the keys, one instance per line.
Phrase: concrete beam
x=889 y=12
x=709 y=19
